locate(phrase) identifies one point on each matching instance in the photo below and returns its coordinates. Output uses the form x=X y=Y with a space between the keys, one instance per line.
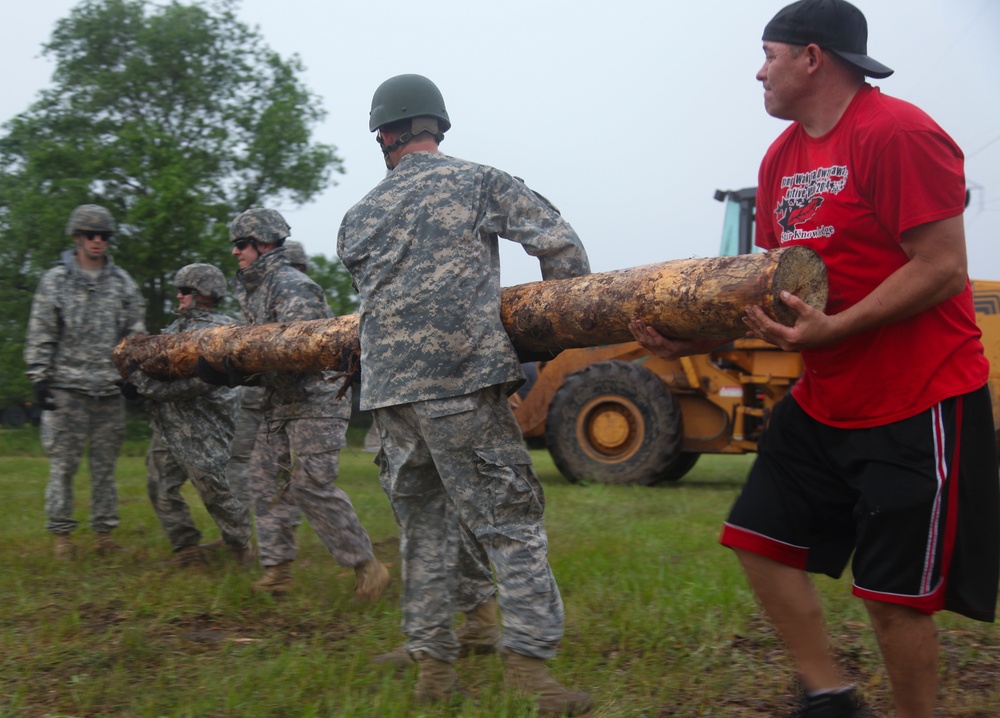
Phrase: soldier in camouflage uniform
x=192 y=425
x=296 y=255
x=249 y=418
x=82 y=308
x=438 y=367
x=295 y=456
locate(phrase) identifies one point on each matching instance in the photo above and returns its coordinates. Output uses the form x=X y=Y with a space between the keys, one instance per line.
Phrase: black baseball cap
x=834 y=25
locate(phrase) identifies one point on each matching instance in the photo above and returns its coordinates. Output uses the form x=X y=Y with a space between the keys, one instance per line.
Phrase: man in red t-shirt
x=885 y=447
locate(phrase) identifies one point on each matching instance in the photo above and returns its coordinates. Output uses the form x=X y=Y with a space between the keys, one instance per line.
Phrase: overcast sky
x=626 y=114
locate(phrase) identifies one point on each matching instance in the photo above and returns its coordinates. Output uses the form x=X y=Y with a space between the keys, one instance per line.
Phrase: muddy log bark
x=684 y=299
x=310 y=346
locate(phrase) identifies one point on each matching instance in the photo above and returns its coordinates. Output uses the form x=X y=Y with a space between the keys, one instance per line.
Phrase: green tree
x=336 y=282
x=175 y=117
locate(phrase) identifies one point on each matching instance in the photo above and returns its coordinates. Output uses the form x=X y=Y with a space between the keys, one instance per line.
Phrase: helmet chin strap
x=417 y=126
x=387 y=149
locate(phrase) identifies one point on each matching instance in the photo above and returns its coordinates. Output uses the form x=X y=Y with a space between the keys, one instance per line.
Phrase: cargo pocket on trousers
x=510 y=482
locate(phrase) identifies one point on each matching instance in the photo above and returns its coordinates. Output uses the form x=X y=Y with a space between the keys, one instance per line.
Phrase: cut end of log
x=801 y=272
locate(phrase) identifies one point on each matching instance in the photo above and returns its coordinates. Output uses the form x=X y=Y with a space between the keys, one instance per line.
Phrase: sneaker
x=839 y=704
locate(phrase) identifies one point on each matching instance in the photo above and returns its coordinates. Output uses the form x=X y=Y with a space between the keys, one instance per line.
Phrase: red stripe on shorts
x=739 y=538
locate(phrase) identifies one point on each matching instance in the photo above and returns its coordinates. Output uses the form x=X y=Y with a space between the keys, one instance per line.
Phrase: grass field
x=659 y=621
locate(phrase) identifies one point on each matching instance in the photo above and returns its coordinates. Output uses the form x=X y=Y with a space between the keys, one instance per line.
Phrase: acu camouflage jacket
x=271 y=290
x=77 y=321
x=423 y=252
x=195 y=419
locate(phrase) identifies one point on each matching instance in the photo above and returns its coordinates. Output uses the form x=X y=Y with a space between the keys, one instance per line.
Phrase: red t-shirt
x=885 y=168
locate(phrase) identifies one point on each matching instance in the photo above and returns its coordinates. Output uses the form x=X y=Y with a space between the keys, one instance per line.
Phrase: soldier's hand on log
x=129 y=390
x=667 y=348
x=524 y=355
x=209 y=374
x=232 y=376
x=238 y=377
x=350 y=366
x=812 y=327
x=43 y=395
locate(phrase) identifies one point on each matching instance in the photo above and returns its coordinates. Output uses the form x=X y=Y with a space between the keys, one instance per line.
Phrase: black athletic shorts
x=916 y=501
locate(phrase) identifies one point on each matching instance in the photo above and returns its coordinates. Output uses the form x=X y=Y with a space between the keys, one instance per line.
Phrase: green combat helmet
x=408 y=97
x=90 y=218
x=206 y=279
x=404 y=97
x=266 y=226
x=296 y=255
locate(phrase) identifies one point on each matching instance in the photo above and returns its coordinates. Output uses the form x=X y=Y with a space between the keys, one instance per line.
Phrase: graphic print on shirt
x=802 y=199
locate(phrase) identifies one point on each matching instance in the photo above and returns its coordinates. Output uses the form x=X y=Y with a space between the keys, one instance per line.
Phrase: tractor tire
x=681 y=466
x=614 y=422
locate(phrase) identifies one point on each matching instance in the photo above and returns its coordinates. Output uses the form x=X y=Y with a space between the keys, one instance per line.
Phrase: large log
x=685 y=299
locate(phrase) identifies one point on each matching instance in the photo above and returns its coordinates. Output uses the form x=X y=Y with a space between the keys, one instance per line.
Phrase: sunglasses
x=242 y=243
x=185 y=291
x=105 y=236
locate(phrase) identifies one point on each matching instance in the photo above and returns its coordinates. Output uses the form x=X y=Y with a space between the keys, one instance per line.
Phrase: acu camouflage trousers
x=80 y=419
x=462 y=460
x=247 y=424
x=293 y=466
x=166 y=474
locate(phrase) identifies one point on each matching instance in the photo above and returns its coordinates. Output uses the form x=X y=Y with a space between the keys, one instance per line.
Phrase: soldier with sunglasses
x=295 y=457
x=82 y=308
x=193 y=424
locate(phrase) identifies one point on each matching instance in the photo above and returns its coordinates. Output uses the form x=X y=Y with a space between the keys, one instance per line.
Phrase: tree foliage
x=336 y=282
x=175 y=117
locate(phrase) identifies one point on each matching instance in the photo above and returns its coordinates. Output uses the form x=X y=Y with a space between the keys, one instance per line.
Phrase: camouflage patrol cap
x=90 y=218
x=206 y=279
x=296 y=255
x=263 y=225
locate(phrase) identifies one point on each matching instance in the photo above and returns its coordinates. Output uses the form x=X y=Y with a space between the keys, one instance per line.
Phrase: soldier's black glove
x=238 y=377
x=528 y=355
x=231 y=377
x=129 y=390
x=209 y=374
x=43 y=396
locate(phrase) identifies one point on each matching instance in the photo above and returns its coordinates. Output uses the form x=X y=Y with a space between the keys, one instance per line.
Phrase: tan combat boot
x=245 y=554
x=63 y=547
x=187 y=557
x=480 y=633
x=215 y=545
x=396 y=658
x=530 y=677
x=436 y=680
x=277 y=580
x=105 y=545
x=372 y=580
